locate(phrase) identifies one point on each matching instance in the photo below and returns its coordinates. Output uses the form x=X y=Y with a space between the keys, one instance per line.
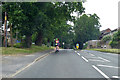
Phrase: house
x=113 y=31
x=104 y=32
x=108 y=32
x=99 y=43
x=92 y=44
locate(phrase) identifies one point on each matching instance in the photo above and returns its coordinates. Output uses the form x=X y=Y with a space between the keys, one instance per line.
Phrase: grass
x=107 y=50
x=14 y=51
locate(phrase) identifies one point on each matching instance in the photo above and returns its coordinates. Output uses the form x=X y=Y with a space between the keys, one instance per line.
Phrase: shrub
x=115 y=43
x=106 y=38
x=85 y=46
x=18 y=45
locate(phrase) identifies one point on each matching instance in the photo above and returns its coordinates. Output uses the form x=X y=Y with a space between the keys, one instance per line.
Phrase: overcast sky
x=107 y=10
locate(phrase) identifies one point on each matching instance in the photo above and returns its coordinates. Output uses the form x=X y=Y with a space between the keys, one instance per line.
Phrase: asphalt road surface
x=73 y=64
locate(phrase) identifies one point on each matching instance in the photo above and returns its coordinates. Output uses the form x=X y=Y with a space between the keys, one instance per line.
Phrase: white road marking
x=95 y=57
x=111 y=54
x=22 y=69
x=29 y=55
x=78 y=54
x=92 y=54
x=115 y=76
x=75 y=51
x=101 y=72
x=108 y=66
x=104 y=59
x=40 y=57
x=6 y=57
x=96 y=60
x=84 y=59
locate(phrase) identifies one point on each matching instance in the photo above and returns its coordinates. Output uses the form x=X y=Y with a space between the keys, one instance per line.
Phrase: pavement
x=12 y=64
x=74 y=64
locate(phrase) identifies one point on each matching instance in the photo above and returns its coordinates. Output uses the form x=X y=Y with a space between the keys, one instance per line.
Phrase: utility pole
x=5 y=31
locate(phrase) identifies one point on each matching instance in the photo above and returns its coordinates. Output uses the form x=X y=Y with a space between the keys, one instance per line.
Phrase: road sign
x=77 y=45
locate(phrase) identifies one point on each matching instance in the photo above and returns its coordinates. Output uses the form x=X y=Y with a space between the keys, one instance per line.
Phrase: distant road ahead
x=74 y=64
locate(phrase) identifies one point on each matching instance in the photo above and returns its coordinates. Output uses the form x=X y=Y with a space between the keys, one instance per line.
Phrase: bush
x=85 y=46
x=115 y=43
x=18 y=45
x=106 y=38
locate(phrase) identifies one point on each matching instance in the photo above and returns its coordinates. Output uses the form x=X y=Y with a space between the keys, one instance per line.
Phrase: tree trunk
x=28 y=41
x=11 y=37
x=39 y=39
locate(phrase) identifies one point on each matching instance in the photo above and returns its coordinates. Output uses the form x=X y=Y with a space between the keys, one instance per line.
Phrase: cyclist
x=57 y=44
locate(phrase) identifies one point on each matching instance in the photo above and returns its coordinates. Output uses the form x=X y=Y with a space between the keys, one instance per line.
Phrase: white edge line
x=84 y=59
x=78 y=54
x=22 y=69
x=28 y=65
x=100 y=72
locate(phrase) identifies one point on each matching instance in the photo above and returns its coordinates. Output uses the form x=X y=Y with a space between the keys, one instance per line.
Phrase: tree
x=22 y=15
x=115 y=42
x=56 y=16
x=40 y=19
x=86 y=28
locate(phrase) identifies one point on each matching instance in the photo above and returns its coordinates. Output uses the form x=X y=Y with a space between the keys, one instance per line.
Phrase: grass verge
x=15 y=51
x=107 y=50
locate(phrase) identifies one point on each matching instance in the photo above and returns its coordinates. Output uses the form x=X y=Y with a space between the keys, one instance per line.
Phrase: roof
x=93 y=40
x=105 y=30
x=114 y=30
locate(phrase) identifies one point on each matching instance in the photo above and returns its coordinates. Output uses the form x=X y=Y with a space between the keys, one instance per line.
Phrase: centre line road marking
x=104 y=59
x=78 y=54
x=84 y=59
x=115 y=76
x=108 y=66
x=101 y=72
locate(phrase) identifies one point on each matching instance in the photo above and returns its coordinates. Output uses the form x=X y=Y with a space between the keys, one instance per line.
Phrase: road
x=73 y=64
